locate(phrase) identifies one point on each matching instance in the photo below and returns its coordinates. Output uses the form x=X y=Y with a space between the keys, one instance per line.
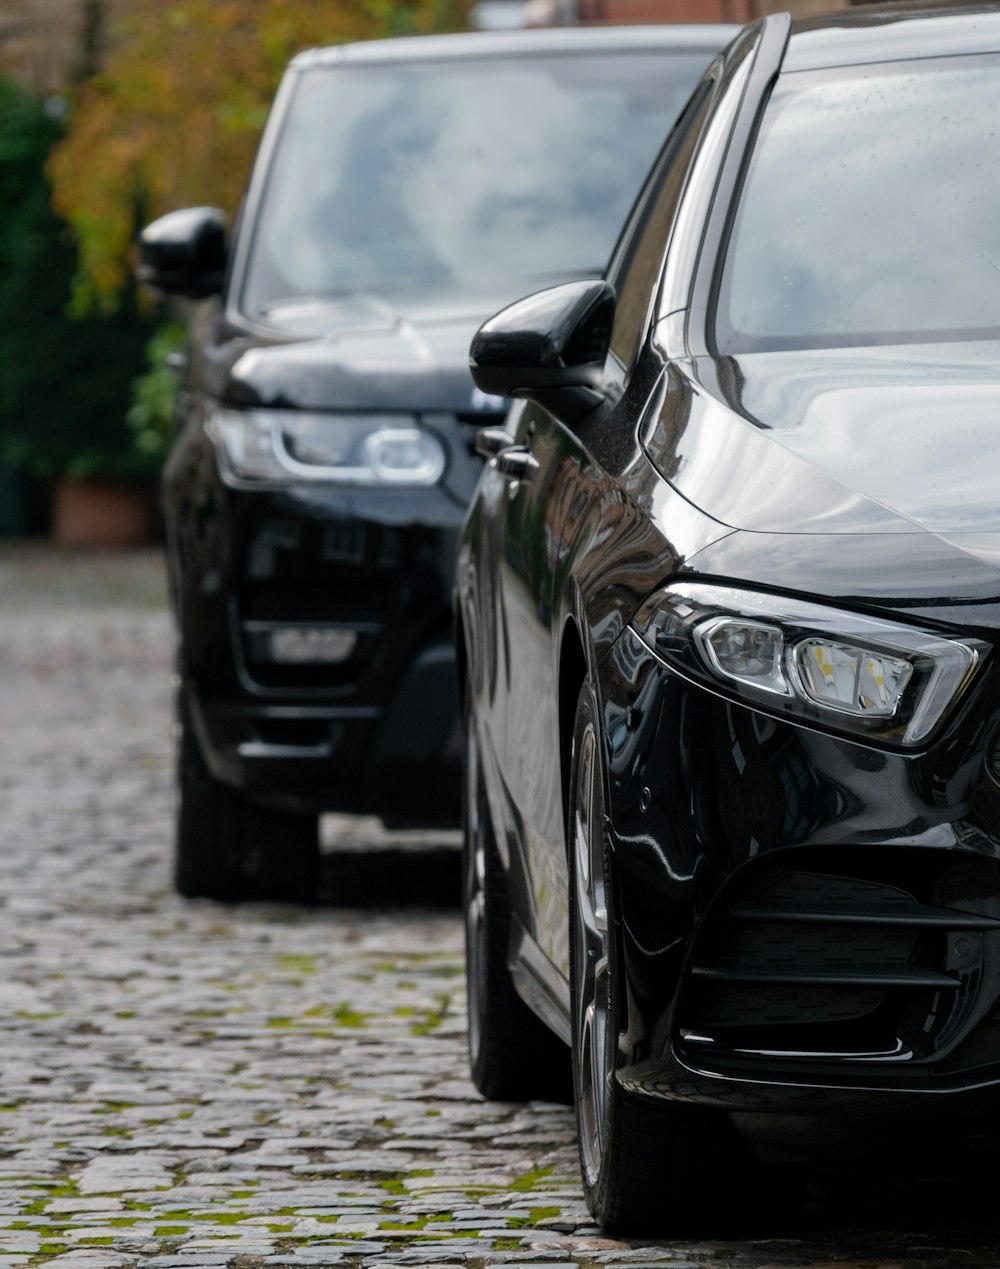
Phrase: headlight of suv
x=863 y=675
x=279 y=446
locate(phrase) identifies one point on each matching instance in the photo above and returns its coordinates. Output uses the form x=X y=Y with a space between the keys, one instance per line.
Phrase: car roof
x=693 y=37
x=892 y=33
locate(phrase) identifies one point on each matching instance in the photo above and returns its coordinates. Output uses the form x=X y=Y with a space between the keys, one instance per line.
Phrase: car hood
x=845 y=441
x=362 y=352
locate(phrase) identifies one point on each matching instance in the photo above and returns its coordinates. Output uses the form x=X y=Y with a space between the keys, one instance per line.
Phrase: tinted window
x=871 y=211
x=460 y=175
x=638 y=271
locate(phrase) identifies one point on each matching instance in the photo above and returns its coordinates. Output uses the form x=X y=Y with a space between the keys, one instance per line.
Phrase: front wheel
x=227 y=848
x=649 y=1166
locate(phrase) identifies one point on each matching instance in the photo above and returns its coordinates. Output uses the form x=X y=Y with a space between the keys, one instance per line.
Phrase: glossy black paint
x=382 y=732
x=378 y=733
x=694 y=465
x=184 y=253
x=556 y=342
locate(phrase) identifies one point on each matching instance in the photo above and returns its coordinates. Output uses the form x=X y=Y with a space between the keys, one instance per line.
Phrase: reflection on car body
x=727 y=606
x=403 y=190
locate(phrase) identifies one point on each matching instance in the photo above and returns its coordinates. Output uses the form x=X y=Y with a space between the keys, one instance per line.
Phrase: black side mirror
x=184 y=253
x=550 y=348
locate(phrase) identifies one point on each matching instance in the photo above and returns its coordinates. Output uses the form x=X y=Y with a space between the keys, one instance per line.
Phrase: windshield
x=871 y=211
x=487 y=176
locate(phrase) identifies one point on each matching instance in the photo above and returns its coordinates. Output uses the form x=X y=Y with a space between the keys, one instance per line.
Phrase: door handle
x=517 y=463
x=491 y=440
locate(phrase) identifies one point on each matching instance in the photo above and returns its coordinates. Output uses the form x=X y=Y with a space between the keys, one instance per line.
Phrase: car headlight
x=278 y=446
x=865 y=675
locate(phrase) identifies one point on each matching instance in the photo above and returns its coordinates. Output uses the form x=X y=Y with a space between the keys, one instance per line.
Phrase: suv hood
x=360 y=352
x=902 y=439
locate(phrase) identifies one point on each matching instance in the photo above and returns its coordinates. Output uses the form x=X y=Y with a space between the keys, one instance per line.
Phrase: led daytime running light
x=282 y=446
x=877 y=677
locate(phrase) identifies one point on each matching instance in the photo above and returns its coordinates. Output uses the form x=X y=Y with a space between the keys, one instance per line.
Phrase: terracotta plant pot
x=99 y=512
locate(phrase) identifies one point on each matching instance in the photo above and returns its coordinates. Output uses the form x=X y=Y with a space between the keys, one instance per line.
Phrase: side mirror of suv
x=550 y=348
x=184 y=253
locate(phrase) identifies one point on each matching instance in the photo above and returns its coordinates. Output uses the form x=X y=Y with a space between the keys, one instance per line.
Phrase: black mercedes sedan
x=728 y=607
x=324 y=456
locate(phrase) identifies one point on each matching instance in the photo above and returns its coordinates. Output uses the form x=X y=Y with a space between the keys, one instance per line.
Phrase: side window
x=635 y=268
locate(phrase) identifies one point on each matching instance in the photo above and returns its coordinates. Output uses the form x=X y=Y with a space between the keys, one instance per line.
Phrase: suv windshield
x=483 y=175
x=871 y=211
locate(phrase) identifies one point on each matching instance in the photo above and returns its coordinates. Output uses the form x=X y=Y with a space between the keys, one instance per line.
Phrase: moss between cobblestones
x=534 y=1218
x=392 y=1182
x=217 y=1218
x=344 y=1014
x=432 y=1018
x=529 y=1180
x=416 y=1222
x=348 y=1016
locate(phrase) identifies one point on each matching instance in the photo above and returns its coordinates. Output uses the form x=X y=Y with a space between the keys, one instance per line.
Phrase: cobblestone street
x=188 y=1084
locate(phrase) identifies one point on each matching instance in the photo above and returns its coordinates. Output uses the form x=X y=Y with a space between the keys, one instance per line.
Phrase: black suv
x=325 y=455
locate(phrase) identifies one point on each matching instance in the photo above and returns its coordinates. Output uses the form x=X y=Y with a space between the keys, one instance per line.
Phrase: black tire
x=513 y=1056
x=649 y=1166
x=227 y=848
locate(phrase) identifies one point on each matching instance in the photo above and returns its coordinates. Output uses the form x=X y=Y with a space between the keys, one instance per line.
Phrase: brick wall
x=698 y=10
x=41 y=40
x=666 y=10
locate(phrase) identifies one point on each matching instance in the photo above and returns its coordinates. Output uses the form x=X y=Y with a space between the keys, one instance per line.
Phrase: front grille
x=807 y=959
x=316 y=601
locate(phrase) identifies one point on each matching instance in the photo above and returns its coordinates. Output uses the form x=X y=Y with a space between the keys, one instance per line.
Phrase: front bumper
x=374 y=732
x=401 y=760
x=806 y=924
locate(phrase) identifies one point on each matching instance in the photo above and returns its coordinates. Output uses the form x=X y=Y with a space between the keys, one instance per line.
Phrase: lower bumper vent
x=817 y=965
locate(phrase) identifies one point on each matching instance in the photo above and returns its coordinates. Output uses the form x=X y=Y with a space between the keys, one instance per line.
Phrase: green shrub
x=65 y=384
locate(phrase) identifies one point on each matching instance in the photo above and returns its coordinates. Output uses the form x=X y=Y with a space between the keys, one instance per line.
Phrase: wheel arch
x=572 y=673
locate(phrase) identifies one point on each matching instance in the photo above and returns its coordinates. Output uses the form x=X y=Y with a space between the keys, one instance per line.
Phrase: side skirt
x=539 y=984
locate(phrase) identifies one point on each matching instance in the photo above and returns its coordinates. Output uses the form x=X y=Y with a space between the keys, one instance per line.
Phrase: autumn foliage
x=174 y=117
